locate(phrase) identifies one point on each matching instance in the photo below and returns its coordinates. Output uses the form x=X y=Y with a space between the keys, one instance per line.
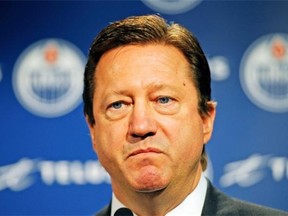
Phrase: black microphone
x=123 y=212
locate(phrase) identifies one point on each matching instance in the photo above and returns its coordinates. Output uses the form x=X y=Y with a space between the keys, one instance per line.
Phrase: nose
x=142 y=123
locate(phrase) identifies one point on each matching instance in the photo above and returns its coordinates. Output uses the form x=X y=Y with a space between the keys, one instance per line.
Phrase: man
x=147 y=102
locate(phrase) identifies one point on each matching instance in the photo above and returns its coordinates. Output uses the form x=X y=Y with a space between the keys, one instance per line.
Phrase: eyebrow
x=160 y=86
x=155 y=86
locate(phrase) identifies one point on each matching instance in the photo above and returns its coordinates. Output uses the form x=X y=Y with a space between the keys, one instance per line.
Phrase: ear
x=208 y=121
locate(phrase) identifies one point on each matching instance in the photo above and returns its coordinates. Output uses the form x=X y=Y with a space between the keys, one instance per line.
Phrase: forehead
x=142 y=60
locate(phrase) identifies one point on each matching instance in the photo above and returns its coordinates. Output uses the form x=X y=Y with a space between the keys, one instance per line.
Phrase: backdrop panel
x=47 y=164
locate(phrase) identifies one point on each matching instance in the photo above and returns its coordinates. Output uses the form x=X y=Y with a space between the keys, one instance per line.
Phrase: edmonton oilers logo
x=48 y=78
x=264 y=72
x=171 y=6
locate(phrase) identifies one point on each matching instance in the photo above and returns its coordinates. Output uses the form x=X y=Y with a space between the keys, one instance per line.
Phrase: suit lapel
x=106 y=211
x=210 y=203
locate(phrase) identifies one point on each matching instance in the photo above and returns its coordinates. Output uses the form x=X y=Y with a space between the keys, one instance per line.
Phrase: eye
x=167 y=105
x=118 y=109
x=116 y=105
x=164 y=100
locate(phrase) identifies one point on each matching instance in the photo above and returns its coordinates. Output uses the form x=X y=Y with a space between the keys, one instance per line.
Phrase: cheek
x=185 y=135
x=109 y=139
x=183 y=127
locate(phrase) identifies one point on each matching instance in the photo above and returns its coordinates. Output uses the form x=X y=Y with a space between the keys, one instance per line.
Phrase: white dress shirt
x=192 y=205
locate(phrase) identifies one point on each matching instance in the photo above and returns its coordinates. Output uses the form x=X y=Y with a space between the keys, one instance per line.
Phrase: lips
x=145 y=151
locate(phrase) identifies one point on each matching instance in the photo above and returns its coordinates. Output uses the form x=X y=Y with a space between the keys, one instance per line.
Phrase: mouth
x=145 y=151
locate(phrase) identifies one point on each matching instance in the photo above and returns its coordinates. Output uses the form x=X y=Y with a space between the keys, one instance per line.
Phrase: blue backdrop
x=47 y=164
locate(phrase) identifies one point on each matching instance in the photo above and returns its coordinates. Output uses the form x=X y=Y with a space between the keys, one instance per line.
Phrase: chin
x=151 y=189
x=150 y=182
x=149 y=186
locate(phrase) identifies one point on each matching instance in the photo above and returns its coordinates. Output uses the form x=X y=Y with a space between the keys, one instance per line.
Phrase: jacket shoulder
x=106 y=211
x=218 y=203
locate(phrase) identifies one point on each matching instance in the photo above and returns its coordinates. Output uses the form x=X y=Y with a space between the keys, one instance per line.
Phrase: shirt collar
x=191 y=205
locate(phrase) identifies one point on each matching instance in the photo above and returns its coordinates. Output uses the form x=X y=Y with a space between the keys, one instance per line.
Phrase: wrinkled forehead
x=148 y=60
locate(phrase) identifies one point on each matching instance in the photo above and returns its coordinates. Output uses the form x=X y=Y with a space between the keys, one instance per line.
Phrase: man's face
x=148 y=133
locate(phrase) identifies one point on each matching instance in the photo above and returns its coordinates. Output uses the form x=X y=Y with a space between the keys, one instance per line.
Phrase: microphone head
x=123 y=212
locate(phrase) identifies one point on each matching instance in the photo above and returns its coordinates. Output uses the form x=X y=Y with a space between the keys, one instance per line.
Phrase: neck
x=157 y=203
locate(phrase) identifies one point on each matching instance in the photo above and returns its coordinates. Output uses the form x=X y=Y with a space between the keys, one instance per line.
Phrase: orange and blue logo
x=48 y=77
x=264 y=73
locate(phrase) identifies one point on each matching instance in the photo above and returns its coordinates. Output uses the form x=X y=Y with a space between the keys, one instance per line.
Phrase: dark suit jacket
x=217 y=203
